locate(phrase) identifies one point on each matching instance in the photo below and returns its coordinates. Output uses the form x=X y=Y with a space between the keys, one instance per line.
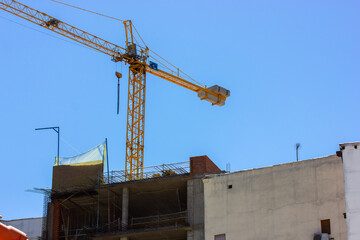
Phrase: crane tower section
x=134 y=161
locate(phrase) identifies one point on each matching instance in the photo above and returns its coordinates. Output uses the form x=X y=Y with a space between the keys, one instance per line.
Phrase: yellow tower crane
x=138 y=59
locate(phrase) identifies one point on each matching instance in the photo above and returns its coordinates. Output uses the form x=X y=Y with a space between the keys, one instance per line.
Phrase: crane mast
x=137 y=57
x=134 y=161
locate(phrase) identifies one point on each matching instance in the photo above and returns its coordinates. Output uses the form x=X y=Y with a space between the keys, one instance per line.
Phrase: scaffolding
x=158 y=221
x=149 y=172
x=47 y=201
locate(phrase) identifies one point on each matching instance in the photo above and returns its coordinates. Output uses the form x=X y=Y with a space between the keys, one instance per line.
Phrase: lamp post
x=297 y=151
x=57 y=130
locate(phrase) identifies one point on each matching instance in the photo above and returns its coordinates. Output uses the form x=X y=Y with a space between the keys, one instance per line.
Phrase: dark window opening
x=230 y=186
x=220 y=237
x=325 y=226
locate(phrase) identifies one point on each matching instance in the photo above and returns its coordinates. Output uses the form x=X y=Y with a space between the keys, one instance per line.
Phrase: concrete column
x=56 y=226
x=190 y=202
x=351 y=167
x=190 y=235
x=190 y=208
x=195 y=209
x=50 y=221
x=125 y=210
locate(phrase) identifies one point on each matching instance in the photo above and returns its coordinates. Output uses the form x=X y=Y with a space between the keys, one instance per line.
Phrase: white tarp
x=95 y=154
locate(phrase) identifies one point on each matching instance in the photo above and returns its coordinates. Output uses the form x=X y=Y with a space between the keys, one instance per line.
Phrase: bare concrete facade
x=286 y=201
x=195 y=200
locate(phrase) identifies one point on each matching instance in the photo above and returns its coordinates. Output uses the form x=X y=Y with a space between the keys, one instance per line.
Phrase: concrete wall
x=68 y=177
x=351 y=159
x=285 y=201
x=195 y=208
x=199 y=166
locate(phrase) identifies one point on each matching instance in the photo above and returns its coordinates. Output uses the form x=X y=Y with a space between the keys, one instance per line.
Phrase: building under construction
x=167 y=203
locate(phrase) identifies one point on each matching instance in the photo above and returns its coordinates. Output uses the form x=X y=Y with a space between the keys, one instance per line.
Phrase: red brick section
x=202 y=164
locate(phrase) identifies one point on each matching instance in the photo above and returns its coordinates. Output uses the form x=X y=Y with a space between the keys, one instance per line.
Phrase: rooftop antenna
x=228 y=168
x=297 y=151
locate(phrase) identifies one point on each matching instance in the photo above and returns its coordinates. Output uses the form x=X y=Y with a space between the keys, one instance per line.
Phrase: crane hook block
x=118 y=75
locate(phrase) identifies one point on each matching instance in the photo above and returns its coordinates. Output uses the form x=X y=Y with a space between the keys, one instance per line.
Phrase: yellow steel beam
x=61 y=28
x=135 y=122
x=180 y=81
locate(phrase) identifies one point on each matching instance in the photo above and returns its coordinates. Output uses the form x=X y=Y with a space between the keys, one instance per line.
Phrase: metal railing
x=149 y=172
x=178 y=219
x=172 y=219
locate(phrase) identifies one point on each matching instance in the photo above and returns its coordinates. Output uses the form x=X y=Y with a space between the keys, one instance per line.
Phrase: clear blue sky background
x=292 y=68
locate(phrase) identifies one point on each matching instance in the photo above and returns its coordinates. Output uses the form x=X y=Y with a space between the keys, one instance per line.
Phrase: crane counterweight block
x=220 y=90
x=214 y=94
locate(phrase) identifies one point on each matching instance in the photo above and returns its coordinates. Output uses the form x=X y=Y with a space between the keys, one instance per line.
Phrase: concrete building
x=350 y=153
x=313 y=199
x=168 y=203
x=288 y=201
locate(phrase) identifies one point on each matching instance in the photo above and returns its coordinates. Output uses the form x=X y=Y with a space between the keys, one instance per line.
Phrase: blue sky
x=292 y=68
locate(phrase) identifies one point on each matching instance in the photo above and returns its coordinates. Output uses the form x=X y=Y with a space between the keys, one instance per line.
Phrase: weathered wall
x=285 y=201
x=66 y=177
x=351 y=158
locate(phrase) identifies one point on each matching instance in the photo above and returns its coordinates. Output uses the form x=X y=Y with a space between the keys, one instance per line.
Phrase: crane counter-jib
x=215 y=94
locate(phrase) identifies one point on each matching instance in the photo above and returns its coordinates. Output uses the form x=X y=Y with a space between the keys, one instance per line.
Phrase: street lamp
x=57 y=130
x=297 y=151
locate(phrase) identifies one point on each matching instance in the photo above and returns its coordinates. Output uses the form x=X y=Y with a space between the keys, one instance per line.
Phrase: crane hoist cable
x=176 y=70
x=83 y=9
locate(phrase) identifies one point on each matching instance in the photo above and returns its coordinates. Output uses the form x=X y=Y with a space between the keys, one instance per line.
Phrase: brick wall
x=202 y=164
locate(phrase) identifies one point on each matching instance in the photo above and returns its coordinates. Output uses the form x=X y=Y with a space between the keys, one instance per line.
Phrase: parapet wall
x=287 y=201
